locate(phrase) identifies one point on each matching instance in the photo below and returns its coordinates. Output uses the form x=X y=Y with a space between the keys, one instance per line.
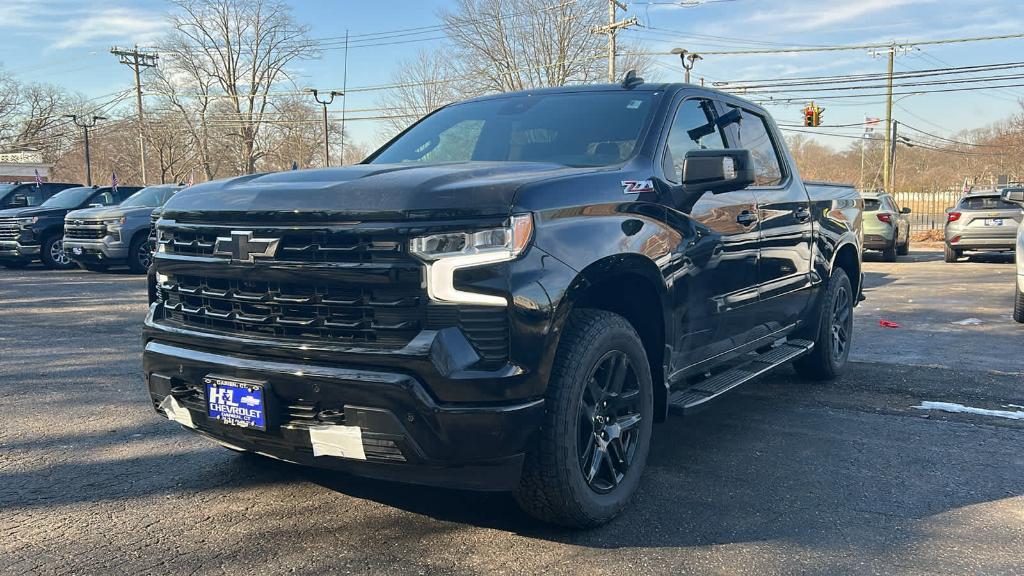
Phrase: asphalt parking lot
x=783 y=477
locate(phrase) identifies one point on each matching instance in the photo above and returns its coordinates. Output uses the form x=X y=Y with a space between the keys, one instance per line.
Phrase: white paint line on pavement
x=960 y=408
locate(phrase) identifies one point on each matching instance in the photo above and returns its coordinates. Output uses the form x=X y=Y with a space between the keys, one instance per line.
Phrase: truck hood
x=31 y=211
x=108 y=212
x=367 y=192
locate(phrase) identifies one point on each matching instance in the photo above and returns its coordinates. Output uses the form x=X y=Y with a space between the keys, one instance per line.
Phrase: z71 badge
x=636 y=186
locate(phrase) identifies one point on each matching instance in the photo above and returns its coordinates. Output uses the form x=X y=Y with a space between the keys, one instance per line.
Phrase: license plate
x=77 y=250
x=236 y=402
x=993 y=222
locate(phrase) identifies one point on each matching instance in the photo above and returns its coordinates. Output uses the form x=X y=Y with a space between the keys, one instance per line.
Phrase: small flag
x=39 y=179
x=870 y=124
x=967 y=188
x=113 y=182
x=192 y=177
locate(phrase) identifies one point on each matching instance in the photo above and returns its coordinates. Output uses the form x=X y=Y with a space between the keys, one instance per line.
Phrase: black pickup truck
x=507 y=295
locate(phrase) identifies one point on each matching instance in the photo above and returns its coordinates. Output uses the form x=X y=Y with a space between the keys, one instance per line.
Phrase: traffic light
x=812 y=115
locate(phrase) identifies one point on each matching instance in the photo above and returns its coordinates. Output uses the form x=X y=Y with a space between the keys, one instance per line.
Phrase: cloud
x=802 y=18
x=64 y=24
x=112 y=25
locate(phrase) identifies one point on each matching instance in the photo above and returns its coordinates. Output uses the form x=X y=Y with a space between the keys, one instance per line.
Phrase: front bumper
x=407 y=436
x=104 y=250
x=13 y=250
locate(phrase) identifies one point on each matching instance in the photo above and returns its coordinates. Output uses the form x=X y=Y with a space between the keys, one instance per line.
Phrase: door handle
x=746 y=218
x=802 y=214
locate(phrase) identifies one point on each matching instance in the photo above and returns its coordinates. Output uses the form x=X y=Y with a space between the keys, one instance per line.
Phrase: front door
x=784 y=268
x=713 y=298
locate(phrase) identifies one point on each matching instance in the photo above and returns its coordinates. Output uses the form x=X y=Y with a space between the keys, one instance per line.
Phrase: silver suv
x=1016 y=196
x=96 y=238
x=886 y=225
x=981 y=221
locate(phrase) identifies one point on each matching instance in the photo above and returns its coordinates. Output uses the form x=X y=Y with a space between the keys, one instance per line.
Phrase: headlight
x=116 y=221
x=445 y=253
x=25 y=222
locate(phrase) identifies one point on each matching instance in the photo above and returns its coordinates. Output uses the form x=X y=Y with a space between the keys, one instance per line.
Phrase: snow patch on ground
x=961 y=409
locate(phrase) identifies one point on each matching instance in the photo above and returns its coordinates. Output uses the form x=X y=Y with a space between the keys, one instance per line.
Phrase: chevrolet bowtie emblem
x=241 y=246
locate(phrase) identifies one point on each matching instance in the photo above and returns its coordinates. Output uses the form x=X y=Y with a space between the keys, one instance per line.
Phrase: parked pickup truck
x=505 y=296
x=97 y=238
x=37 y=233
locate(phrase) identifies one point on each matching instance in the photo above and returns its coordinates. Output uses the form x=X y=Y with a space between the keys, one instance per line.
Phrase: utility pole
x=891 y=152
x=344 y=101
x=136 y=60
x=85 y=125
x=887 y=164
x=689 y=59
x=327 y=146
x=611 y=29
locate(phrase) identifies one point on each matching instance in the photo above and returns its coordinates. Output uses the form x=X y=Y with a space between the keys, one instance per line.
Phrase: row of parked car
x=67 y=225
x=981 y=221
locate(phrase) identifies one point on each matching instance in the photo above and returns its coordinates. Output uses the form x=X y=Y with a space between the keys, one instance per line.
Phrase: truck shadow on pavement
x=755 y=469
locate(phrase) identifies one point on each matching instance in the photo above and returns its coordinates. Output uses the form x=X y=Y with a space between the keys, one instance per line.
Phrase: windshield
x=574 y=129
x=153 y=196
x=70 y=198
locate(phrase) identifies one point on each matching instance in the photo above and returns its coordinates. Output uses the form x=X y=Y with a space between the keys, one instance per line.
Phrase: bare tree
x=234 y=51
x=422 y=84
x=503 y=45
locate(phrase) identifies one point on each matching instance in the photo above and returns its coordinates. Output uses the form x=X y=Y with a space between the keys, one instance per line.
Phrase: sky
x=67 y=43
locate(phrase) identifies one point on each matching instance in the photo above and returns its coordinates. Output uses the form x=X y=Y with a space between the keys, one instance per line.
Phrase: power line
x=845 y=47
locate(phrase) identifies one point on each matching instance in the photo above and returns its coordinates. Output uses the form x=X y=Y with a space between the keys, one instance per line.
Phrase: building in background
x=22 y=166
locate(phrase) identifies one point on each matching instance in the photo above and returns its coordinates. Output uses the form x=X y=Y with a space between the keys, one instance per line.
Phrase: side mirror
x=717 y=171
x=95 y=205
x=19 y=201
x=905 y=210
x=1016 y=196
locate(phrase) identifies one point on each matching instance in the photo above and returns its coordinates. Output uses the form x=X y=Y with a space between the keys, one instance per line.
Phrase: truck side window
x=754 y=136
x=692 y=129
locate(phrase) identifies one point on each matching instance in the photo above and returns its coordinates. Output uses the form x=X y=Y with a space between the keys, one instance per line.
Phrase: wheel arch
x=632 y=286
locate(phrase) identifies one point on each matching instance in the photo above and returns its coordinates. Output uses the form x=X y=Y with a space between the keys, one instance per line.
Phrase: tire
x=52 y=254
x=1018 y=305
x=904 y=249
x=93 y=266
x=16 y=264
x=554 y=487
x=835 y=332
x=889 y=253
x=952 y=255
x=139 y=254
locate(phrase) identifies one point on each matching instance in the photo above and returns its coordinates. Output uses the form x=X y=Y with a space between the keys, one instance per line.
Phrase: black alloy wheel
x=608 y=423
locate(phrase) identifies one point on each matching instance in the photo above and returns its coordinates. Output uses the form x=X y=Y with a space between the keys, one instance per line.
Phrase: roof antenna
x=631 y=80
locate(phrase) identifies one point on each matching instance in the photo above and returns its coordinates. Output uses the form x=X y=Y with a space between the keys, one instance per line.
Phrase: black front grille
x=387 y=316
x=318 y=245
x=332 y=285
x=9 y=229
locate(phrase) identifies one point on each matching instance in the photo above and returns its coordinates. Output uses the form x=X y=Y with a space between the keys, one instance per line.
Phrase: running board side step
x=687 y=400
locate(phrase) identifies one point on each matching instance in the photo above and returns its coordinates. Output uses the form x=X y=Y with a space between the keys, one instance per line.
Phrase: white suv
x=1016 y=195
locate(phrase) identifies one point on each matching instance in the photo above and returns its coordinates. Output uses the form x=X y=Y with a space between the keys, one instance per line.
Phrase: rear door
x=784 y=265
